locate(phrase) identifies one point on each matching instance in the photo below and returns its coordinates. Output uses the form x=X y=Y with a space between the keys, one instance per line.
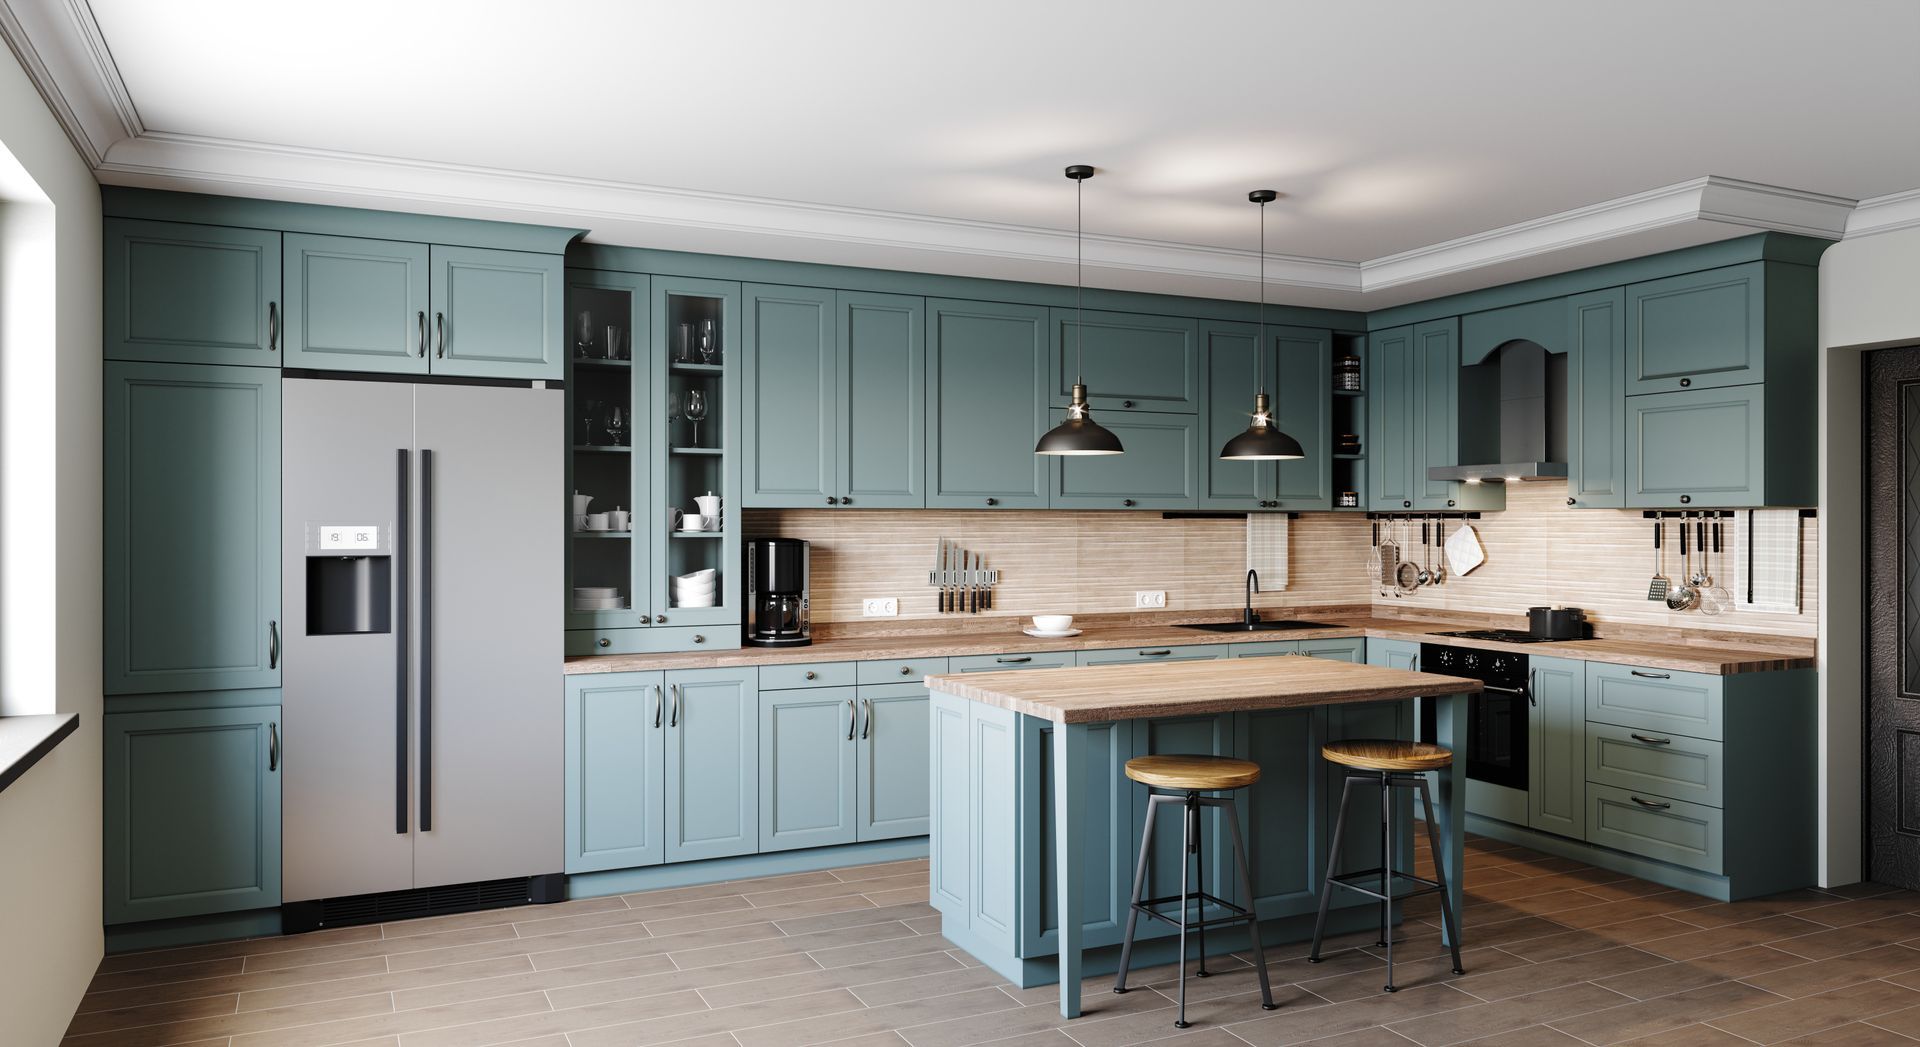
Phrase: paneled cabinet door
x=1284 y=854
x=713 y=763
x=807 y=756
x=892 y=747
x=356 y=305
x=882 y=383
x=1132 y=361
x=1302 y=382
x=1159 y=470
x=1557 y=760
x=1596 y=400
x=1390 y=420
x=616 y=749
x=192 y=812
x=1229 y=378
x=496 y=314
x=198 y=294
x=1701 y=447
x=1698 y=330
x=792 y=403
x=986 y=405
x=192 y=527
x=1436 y=409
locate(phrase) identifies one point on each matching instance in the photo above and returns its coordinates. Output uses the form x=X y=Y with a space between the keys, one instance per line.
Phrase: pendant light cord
x=1079 y=286
x=1260 y=350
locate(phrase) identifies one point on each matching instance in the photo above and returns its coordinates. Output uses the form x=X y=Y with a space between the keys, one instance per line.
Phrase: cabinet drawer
x=1264 y=648
x=898 y=670
x=1668 y=765
x=817 y=674
x=1128 y=655
x=652 y=641
x=1665 y=830
x=1346 y=649
x=1660 y=700
x=993 y=663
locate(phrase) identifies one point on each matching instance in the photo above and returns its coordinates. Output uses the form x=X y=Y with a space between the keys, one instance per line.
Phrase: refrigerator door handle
x=402 y=538
x=426 y=640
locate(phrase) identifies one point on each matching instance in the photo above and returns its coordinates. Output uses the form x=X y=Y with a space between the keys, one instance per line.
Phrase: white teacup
x=1053 y=623
x=693 y=522
x=596 y=521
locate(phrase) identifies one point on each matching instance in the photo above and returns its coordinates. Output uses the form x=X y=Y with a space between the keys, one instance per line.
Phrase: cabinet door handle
x=659 y=706
x=831 y=500
x=1650 y=740
x=440 y=335
x=993 y=501
x=1022 y=660
x=906 y=670
x=1128 y=502
x=273 y=645
x=606 y=641
x=844 y=500
x=1651 y=676
x=1162 y=653
x=1406 y=505
x=420 y=318
x=866 y=730
x=1650 y=804
x=659 y=619
x=852 y=715
x=1126 y=403
x=273 y=746
x=699 y=638
x=273 y=326
x=674 y=720
x=1686 y=499
x=811 y=675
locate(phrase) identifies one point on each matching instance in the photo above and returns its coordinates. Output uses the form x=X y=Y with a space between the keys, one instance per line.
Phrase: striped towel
x=1267 y=549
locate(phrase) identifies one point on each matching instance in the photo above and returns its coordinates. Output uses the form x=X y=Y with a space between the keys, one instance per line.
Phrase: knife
x=973 y=589
x=941 y=575
x=986 y=587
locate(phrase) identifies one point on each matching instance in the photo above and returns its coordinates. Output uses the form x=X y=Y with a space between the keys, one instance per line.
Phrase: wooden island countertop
x=1098 y=694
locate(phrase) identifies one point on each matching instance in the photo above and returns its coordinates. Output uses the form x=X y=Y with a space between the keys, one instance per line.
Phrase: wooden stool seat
x=1386 y=755
x=1193 y=773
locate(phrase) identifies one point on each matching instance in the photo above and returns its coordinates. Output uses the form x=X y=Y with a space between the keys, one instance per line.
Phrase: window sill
x=25 y=739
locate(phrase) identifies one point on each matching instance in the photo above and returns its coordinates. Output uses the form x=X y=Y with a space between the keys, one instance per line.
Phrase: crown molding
x=60 y=46
x=1885 y=214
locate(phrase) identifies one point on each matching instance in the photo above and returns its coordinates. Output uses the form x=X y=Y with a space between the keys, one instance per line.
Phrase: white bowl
x=706 y=574
x=1053 y=623
x=596 y=590
x=696 y=589
x=693 y=601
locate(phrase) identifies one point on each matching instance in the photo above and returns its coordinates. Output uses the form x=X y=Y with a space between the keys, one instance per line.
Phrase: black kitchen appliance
x=1496 y=718
x=777 y=606
x=1557 y=623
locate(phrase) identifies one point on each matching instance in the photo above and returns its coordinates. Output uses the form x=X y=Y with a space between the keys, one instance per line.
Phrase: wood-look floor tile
x=1857 y=1034
x=1905 y=1021
x=1644 y=1018
x=494 y=917
x=439 y=941
x=1044 y=1038
x=134 y=961
x=898 y=896
x=1537 y=1036
x=868 y=872
x=524 y=978
x=664 y=1010
x=817 y=908
x=1004 y=1028
x=451 y=975
x=393 y=1023
x=1573 y=943
x=104 y=981
x=1727 y=938
x=906 y=943
x=1144 y=1024
x=1822 y=1010
x=231 y=983
x=1517 y=981
x=1861 y=910
x=878 y=1039
x=1899 y=964
x=1518 y=1012
x=1718 y=914
x=1289 y=1026
x=1623 y=910
x=153 y=1014
x=850 y=916
x=1681 y=975
x=719 y=1020
x=897 y=990
x=634 y=914
x=1691 y=1036
x=838 y=888
x=240 y=1023
x=925 y=924
x=1840 y=941
x=546 y=953
x=708 y=955
x=1409 y=973
x=812 y=978
x=1378 y=1036
x=844 y=1024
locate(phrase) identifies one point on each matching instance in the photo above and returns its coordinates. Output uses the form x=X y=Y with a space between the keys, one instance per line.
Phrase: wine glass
x=673 y=416
x=696 y=409
x=709 y=342
x=583 y=336
x=616 y=426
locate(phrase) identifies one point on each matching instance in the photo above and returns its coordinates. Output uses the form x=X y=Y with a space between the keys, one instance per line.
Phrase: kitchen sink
x=1272 y=625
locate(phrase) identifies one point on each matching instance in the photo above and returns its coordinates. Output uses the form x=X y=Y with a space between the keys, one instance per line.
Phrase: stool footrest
x=1235 y=914
x=1425 y=886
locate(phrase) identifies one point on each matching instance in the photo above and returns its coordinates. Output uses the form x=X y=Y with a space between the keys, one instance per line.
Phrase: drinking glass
x=616 y=343
x=673 y=416
x=583 y=336
x=708 y=341
x=696 y=409
x=590 y=415
x=616 y=426
x=683 y=344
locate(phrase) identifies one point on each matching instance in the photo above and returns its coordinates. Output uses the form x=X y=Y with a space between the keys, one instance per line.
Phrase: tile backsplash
x=1538 y=551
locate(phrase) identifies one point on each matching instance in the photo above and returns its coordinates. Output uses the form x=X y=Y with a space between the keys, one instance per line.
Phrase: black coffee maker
x=777 y=612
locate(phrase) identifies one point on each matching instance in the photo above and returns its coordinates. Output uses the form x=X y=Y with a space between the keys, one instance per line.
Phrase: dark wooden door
x=1893 y=616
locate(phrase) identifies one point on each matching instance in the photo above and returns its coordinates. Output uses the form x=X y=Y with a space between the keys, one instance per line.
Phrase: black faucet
x=1248 y=618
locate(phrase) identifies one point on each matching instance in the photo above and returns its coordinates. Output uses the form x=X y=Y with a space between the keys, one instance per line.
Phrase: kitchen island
x=1033 y=816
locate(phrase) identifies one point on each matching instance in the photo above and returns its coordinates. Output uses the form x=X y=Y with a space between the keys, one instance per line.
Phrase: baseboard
x=741 y=867
x=192 y=930
x=1719 y=888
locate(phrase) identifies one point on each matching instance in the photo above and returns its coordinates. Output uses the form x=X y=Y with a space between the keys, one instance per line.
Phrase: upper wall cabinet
x=496 y=314
x=1414 y=420
x=1157 y=472
x=1390 y=435
x=1298 y=373
x=191 y=293
x=1596 y=379
x=986 y=405
x=882 y=375
x=356 y=304
x=1699 y=330
x=1134 y=362
x=1302 y=382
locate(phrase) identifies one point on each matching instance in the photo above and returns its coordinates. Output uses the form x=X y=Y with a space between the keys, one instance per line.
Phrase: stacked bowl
x=597 y=598
x=699 y=589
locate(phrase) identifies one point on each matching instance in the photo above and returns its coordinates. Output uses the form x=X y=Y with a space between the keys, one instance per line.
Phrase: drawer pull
x=1651 y=676
x=1162 y=653
x=1022 y=660
x=606 y=642
x=1649 y=740
x=1650 y=804
x=906 y=670
x=811 y=675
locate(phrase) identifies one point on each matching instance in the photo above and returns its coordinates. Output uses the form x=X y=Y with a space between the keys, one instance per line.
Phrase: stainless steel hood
x=1532 y=412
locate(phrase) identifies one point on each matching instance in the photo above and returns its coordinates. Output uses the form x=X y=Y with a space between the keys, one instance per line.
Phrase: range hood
x=1530 y=386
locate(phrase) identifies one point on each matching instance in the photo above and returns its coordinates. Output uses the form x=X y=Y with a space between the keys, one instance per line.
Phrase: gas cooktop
x=1501 y=636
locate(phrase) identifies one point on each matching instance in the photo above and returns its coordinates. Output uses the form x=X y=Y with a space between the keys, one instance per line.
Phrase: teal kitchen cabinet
x=807 y=767
x=1596 y=400
x=893 y=798
x=1390 y=420
x=496 y=314
x=1298 y=373
x=1109 y=833
x=1414 y=423
x=192 y=812
x=1149 y=655
x=191 y=516
x=1133 y=361
x=1394 y=654
x=986 y=405
x=191 y=293
x=1737 y=325
x=1284 y=855
x=1344 y=649
x=355 y=304
x=1159 y=471
x=791 y=401
x=1717 y=447
x=1227 y=373
x=616 y=777
x=1557 y=747
x=712 y=763
x=835 y=399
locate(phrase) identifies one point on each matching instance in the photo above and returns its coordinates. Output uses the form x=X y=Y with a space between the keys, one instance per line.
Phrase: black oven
x=1497 y=718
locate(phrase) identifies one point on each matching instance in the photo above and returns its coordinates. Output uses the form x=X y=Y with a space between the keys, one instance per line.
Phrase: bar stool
x=1190 y=776
x=1395 y=765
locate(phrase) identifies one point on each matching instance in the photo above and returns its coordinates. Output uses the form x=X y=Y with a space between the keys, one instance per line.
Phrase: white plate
x=1051 y=636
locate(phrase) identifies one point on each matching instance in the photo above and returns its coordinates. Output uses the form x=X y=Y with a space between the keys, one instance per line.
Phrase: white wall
x=50 y=934
x=1867 y=300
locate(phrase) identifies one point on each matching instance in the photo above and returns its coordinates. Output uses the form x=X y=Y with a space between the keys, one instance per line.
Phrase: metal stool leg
x=1333 y=857
x=1440 y=875
x=1181 y=1022
x=1139 y=885
x=1200 y=879
x=1386 y=871
x=1246 y=892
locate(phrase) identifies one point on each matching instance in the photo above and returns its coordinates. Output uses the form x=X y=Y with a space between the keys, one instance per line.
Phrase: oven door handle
x=1519 y=692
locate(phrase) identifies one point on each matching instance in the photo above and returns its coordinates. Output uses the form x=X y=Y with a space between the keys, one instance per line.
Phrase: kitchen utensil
x=1407 y=580
x=1440 y=543
x=1557 y=623
x=579 y=521
x=1389 y=563
x=1373 y=551
x=709 y=504
x=1700 y=578
x=1716 y=598
x=1051 y=636
x=696 y=412
x=596 y=521
x=986 y=595
x=940 y=576
x=1425 y=577
x=1683 y=597
x=695 y=601
x=1463 y=550
x=1053 y=623
x=1657 y=587
x=673 y=416
x=614 y=424
x=595 y=591
x=580 y=503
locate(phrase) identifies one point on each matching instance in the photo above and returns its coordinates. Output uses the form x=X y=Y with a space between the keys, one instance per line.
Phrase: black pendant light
x=1262 y=442
x=1079 y=434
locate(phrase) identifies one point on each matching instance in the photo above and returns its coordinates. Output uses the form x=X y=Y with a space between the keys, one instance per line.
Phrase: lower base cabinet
x=192 y=812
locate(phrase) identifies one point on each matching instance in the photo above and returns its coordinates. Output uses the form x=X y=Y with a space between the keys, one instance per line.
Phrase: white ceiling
x=1421 y=148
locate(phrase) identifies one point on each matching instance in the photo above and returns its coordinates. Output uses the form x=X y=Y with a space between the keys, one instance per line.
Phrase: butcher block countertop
x=1099 y=694
x=1734 y=653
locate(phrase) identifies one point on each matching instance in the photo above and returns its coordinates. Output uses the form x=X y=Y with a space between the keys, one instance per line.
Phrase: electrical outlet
x=1156 y=598
x=887 y=607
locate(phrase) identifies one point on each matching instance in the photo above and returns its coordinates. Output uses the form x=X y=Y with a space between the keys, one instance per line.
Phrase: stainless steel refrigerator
x=421 y=571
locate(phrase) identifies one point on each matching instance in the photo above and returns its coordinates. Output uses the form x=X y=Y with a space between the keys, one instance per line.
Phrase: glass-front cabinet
x=608 y=551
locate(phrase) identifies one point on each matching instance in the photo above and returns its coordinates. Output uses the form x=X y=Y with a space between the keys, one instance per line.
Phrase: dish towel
x=1267 y=549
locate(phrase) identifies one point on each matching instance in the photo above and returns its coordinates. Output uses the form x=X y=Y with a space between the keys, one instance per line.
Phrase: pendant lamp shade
x=1262 y=441
x=1079 y=434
